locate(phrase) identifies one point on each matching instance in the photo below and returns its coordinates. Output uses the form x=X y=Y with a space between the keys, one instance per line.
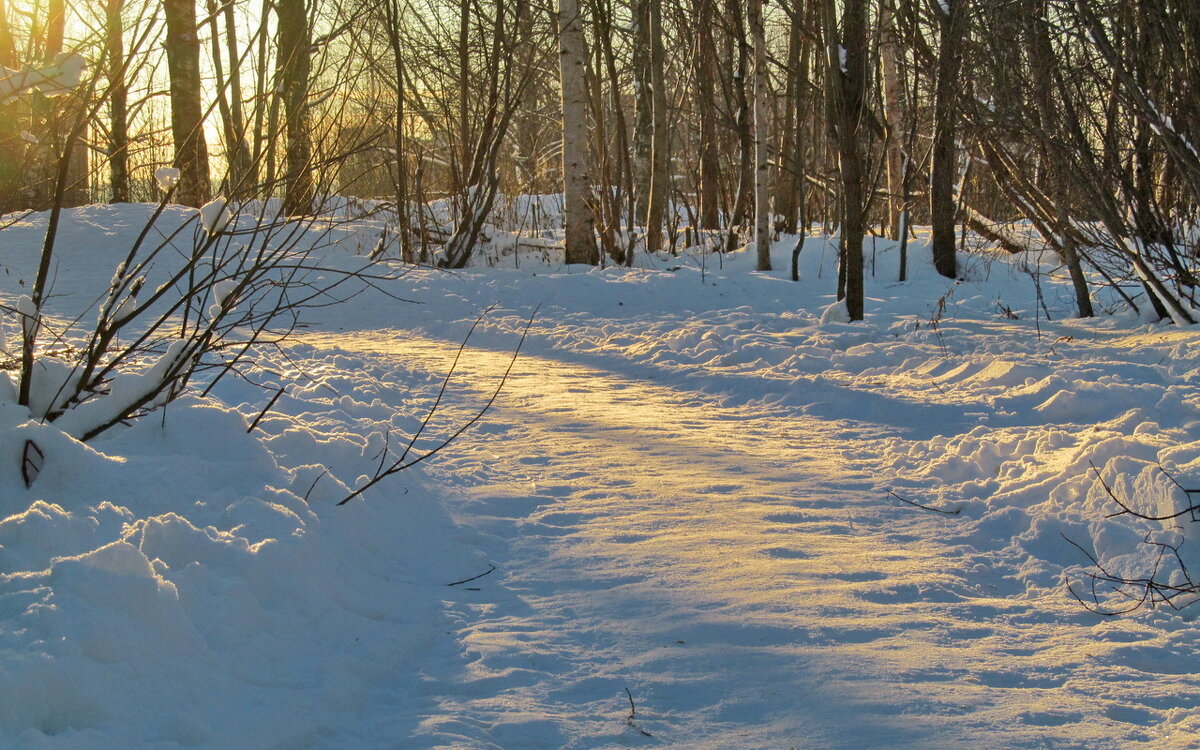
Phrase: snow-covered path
x=748 y=585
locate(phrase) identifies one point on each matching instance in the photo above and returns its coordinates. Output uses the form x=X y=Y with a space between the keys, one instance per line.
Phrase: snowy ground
x=683 y=490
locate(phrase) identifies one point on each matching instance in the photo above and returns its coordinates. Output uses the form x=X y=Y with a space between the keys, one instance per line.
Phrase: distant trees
x=664 y=122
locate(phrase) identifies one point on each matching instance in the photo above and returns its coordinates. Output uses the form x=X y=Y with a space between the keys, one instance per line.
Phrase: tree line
x=1069 y=125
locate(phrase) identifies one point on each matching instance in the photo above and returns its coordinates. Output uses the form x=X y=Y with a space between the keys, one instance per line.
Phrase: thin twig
x=445 y=382
x=1126 y=510
x=266 y=409
x=313 y=486
x=930 y=508
x=630 y=720
x=491 y=569
x=401 y=465
x=1139 y=591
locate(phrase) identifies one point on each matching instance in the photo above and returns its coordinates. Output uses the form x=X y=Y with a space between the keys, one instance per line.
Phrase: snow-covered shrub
x=195 y=292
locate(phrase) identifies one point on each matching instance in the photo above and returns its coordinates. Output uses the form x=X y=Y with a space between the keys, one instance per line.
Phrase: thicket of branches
x=734 y=118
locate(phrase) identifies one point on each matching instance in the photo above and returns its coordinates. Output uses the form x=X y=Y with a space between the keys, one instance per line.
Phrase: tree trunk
x=400 y=175
x=656 y=198
x=710 y=161
x=265 y=107
x=622 y=188
x=464 y=88
x=951 y=21
x=241 y=169
x=216 y=57
x=889 y=44
x=789 y=123
x=607 y=208
x=118 y=102
x=643 y=120
x=579 y=225
x=294 y=67
x=762 y=160
x=187 y=113
x=51 y=122
x=847 y=63
x=745 y=132
x=1042 y=58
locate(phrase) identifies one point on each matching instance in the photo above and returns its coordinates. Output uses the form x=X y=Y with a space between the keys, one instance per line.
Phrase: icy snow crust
x=683 y=490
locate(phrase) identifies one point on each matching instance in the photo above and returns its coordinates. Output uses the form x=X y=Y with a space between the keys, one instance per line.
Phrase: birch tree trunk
x=579 y=224
x=789 y=124
x=187 y=112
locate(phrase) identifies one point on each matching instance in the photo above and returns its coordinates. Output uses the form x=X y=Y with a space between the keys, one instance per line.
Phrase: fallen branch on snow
x=631 y=720
x=491 y=569
x=929 y=508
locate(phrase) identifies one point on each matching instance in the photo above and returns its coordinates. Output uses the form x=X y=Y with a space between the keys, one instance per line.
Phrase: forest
x=661 y=123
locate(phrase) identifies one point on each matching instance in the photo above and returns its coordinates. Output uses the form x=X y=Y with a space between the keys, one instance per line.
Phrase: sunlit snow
x=684 y=498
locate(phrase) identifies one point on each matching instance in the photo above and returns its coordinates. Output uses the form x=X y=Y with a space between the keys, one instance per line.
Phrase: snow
x=166 y=177
x=60 y=76
x=27 y=311
x=684 y=490
x=215 y=215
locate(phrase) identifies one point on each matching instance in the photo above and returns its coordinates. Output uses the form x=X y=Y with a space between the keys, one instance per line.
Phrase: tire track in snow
x=728 y=566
